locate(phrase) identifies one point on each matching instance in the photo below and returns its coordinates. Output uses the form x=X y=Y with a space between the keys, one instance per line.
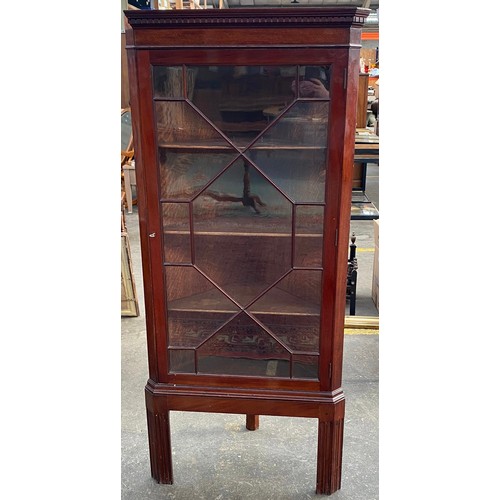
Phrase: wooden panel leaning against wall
x=124 y=75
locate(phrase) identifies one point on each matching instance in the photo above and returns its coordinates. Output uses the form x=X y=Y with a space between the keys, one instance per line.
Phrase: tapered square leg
x=330 y=443
x=160 y=448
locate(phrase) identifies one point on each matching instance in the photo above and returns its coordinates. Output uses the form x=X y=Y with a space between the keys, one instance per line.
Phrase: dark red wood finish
x=284 y=36
x=252 y=423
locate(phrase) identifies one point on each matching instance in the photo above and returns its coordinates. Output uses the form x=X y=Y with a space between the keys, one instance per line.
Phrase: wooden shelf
x=274 y=302
x=244 y=234
x=217 y=146
x=288 y=147
x=223 y=146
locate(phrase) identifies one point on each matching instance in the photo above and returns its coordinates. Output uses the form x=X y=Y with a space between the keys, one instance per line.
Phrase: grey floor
x=216 y=458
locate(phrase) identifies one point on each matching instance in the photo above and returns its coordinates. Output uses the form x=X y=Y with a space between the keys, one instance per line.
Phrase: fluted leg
x=330 y=442
x=160 y=449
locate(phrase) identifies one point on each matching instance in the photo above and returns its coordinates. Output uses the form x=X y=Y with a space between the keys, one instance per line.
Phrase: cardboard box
x=357 y=175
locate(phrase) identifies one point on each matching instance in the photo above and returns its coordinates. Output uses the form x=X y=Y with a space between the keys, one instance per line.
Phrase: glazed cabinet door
x=240 y=162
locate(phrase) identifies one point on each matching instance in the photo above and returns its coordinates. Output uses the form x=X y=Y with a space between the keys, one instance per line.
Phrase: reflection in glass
x=291 y=310
x=305 y=366
x=242 y=232
x=303 y=126
x=242 y=347
x=195 y=307
x=126 y=130
x=233 y=238
x=242 y=199
x=300 y=174
x=176 y=233
x=306 y=285
x=308 y=236
x=167 y=81
x=184 y=282
x=181 y=360
x=179 y=125
x=184 y=174
x=314 y=82
x=242 y=100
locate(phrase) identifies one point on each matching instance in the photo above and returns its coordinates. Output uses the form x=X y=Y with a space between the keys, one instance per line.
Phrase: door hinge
x=345 y=78
x=336 y=236
x=330 y=371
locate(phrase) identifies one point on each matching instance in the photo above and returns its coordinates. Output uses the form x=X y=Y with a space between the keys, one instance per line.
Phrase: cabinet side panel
x=148 y=208
x=349 y=121
x=341 y=150
x=137 y=120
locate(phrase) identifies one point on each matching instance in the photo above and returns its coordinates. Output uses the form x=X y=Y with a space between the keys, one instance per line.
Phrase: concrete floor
x=216 y=458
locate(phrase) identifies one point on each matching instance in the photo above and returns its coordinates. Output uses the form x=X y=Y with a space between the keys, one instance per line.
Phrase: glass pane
x=304 y=125
x=167 y=81
x=176 y=233
x=126 y=129
x=305 y=285
x=308 y=236
x=291 y=310
x=300 y=174
x=242 y=100
x=314 y=82
x=196 y=309
x=298 y=332
x=181 y=360
x=305 y=366
x=242 y=232
x=242 y=347
x=240 y=242
x=184 y=174
x=179 y=125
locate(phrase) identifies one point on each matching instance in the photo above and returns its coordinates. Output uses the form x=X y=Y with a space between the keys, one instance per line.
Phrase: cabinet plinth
x=244 y=124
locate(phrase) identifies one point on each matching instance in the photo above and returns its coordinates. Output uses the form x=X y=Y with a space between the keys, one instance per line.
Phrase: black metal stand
x=352 y=276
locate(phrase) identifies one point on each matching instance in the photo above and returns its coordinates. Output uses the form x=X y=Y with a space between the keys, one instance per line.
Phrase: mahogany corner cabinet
x=244 y=125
